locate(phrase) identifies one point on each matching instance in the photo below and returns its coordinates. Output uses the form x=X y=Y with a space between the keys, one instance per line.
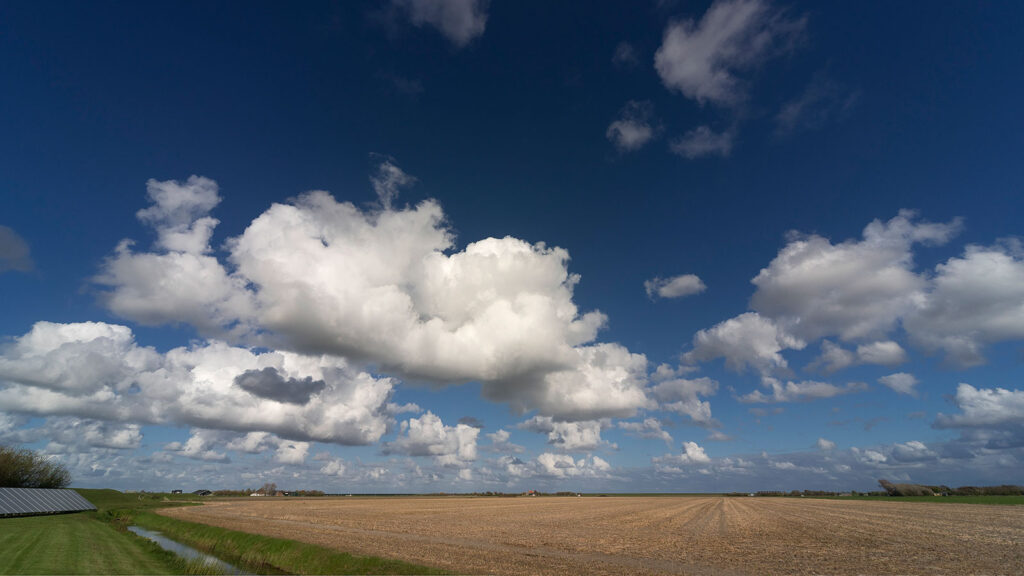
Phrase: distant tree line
x=507 y=494
x=927 y=490
x=268 y=489
x=893 y=489
x=22 y=468
x=791 y=493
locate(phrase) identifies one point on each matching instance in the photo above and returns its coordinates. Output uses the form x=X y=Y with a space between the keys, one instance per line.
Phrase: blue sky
x=428 y=245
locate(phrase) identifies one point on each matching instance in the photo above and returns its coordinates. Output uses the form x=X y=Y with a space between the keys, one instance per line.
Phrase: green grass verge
x=78 y=544
x=105 y=499
x=267 y=555
x=99 y=543
x=991 y=500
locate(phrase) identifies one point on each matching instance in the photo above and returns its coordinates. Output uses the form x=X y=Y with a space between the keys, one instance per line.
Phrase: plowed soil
x=645 y=535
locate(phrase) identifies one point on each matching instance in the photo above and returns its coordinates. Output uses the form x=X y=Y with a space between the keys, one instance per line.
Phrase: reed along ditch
x=186 y=552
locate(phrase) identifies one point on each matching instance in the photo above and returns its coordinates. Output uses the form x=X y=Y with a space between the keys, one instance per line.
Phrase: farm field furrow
x=645 y=535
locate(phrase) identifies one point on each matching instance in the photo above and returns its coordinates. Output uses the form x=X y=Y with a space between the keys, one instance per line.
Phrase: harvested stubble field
x=645 y=535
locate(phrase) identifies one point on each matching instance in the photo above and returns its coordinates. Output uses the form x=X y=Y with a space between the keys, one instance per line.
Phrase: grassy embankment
x=991 y=500
x=259 y=554
x=99 y=543
x=272 y=555
x=77 y=544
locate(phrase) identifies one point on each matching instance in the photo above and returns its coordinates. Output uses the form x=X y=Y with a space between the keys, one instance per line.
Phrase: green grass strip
x=78 y=544
x=990 y=500
x=267 y=555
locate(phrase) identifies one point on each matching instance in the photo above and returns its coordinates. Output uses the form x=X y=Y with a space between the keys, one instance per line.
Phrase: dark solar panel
x=29 y=501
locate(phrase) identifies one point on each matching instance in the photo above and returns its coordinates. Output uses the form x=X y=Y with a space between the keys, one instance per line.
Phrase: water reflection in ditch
x=186 y=552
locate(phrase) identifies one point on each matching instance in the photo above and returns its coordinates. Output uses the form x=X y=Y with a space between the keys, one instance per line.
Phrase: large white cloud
x=993 y=408
x=570 y=436
x=859 y=291
x=702 y=60
x=180 y=281
x=607 y=380
x=95 y=370
x=68 y=434
x=748 y=340
x=692 y=454
x=428 y=436
x=383 y=286
x=682 y=395
x=977 y=299
x=855 y=290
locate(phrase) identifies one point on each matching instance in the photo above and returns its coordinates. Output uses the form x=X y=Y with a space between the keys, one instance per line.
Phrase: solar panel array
x=32 y=501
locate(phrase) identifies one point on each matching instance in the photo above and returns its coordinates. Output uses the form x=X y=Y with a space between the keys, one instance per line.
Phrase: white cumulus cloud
x=675 y=287
x=582 y=436
x=901 y=382
x=692 y=454
x=748 y=340
x=382 y=285
x=855 y=290
x=703 y=59
x=565 y=466
x=995 y=408
x=96 y=370
x=428 y=436
x=634 y=127
x=977 y=299
x=683 y=396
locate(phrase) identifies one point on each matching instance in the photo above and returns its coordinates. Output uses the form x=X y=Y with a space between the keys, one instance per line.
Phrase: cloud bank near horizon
x=318 y=310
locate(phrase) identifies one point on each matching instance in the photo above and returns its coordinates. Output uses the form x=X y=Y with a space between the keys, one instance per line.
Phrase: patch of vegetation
x=952 y=499
x=23 y=468
x=106 y=500
x=267 y=555
x=927 y=490
x=79 y=544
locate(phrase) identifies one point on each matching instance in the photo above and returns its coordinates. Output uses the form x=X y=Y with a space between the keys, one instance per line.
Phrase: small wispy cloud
x=675 y=287
x=461 y=21
x=634 y=127
x=14 y=252
x=702 y=142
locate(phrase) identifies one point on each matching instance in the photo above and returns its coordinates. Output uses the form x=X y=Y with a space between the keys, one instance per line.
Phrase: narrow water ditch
x=186 y=552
